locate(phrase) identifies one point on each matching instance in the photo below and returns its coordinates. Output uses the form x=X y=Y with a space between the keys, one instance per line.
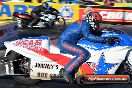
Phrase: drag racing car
x=32 y=59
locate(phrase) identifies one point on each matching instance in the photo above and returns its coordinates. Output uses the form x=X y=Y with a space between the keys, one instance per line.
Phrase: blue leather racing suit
x=67 y=43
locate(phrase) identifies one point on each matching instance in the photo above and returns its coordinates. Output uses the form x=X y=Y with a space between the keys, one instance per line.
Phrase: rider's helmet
x=45 y=5
x=94 y=19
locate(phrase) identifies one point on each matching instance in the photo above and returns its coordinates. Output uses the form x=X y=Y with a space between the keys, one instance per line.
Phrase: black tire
x=15 y=58
x=125 y=69
x=61 y=21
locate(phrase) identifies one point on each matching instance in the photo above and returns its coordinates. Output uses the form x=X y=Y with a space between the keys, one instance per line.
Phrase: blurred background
x=113 y=11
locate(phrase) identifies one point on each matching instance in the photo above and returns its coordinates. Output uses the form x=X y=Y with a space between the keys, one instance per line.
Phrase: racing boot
x=32 y=23
x=67 y=76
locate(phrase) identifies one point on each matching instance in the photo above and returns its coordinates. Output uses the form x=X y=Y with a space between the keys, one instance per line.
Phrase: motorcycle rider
x=89 y=29
x=38 y=9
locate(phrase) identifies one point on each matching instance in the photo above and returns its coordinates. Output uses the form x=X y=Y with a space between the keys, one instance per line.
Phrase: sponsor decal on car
x=46 y=75
x=46 y=66
x=107 y=78
x=28 y=42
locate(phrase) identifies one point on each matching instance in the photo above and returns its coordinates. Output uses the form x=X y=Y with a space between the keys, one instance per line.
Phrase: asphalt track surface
x=9 y=82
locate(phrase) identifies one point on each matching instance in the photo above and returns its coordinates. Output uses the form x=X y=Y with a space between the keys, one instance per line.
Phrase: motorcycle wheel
x=21 y=65
x=59 y=23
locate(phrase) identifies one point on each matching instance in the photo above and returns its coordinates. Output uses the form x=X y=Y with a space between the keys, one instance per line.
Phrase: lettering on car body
x=44 y=75
x=46 y=66
x=28 y=42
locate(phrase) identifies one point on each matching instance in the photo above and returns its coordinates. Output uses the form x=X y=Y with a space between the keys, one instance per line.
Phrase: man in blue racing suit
x=69 y=38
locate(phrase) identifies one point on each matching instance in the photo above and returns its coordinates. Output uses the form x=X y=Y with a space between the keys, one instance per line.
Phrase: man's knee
x=86 y=53
x=84 y=56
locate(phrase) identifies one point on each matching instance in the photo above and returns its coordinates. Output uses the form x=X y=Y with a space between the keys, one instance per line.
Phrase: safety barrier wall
x=118 y=4
x=109 y=14
x=72 y=12
x=68 y=11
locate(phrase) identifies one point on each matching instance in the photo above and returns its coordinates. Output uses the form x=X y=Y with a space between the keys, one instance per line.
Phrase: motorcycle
x=32 y=59
x=52 y=20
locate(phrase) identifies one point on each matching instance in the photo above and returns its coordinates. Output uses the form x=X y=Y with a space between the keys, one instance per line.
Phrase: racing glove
x=111 y=41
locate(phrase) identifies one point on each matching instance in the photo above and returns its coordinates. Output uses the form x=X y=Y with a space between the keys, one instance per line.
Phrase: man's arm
x=88 y=35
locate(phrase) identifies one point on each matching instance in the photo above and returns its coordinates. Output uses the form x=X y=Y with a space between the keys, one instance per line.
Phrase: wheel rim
x=22 y=66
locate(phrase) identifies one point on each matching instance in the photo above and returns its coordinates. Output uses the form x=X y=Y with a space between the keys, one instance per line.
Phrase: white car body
x=42 y=66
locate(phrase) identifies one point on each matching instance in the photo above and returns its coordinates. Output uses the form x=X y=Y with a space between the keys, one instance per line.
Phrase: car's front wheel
x=21 y=67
